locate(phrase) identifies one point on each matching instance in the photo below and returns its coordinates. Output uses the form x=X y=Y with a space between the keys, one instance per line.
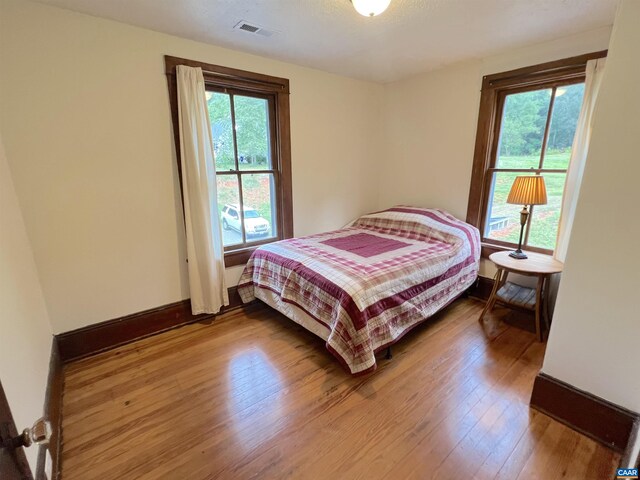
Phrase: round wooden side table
x=511 y=294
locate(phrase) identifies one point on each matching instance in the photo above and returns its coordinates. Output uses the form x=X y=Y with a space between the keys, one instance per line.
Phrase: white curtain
x=595 y=71
x=205 y=251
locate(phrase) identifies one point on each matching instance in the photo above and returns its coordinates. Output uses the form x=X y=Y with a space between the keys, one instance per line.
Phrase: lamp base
x=518 y=254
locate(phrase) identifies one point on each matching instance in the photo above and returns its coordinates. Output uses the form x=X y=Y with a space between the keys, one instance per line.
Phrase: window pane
x=221 y=129
x=259 y=206
x=545 y=218
x=228 y=200
x=252 y=133
x=503 y=221
x=522 y=132
x=564 y=119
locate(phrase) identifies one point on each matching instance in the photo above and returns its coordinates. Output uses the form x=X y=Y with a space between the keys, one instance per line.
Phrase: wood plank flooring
x=252 y=395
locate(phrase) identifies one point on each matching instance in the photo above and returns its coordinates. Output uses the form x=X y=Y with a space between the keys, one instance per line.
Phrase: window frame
x=276 y=91
x=495 y=89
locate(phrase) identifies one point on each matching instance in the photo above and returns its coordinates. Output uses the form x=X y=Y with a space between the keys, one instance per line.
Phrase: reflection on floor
x=252 y=395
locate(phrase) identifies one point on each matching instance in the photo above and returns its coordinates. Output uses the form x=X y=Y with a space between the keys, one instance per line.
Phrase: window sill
x=238 y=257
x=488 y=248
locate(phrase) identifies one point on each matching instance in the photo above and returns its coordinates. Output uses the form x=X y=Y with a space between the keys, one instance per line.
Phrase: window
x=249 y=116
x=527 y=122
x=241 y=126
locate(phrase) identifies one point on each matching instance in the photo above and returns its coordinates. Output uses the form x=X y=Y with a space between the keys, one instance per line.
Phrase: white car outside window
x=254 y=223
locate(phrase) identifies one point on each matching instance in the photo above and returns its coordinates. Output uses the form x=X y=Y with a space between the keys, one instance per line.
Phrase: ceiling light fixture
x=370 y=8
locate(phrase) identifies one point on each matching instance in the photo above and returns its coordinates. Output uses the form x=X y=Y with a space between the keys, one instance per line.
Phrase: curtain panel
x=594 y=74
x=205 y=250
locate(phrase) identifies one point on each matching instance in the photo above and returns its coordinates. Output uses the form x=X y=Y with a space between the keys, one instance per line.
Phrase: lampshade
x=370 y=8
x=528 y=190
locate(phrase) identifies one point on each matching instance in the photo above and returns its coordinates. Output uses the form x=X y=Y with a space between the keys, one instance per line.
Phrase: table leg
x=503 y=280
x=539 y=307
x=547 y=316
x=497 y=281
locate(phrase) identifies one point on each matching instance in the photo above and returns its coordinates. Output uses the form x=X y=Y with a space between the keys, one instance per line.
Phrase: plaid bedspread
x=373 y=281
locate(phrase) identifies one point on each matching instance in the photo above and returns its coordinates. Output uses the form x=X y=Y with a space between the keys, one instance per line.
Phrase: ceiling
x=412 y=36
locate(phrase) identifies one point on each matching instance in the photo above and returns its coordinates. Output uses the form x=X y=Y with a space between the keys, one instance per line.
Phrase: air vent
x=247 y=27
x=253 y=29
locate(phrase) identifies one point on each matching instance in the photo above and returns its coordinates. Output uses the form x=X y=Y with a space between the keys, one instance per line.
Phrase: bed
x=361 y=288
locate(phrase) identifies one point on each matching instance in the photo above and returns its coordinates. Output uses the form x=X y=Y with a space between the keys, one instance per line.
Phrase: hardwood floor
x=253 y=395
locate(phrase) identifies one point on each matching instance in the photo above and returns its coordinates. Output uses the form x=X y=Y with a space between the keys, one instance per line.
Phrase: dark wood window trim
x=494 y=90
x=277 y=90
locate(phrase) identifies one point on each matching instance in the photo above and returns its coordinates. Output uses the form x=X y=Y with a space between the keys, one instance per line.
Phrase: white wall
x=25 y=333
x=430 y=131
x=431 y=125
x=84 y=113
x=594 y=338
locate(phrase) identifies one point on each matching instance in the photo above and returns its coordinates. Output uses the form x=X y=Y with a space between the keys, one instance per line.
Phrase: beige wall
x=98 y=188
x=594 y=337
x=25 y=333
x=430 y=130
x=430 y=123
x=85 y=118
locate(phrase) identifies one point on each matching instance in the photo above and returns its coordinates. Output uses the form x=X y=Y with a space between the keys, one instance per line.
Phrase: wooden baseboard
x=595 y=417
x=482 y=288
x=52 y=412
x=99 y=337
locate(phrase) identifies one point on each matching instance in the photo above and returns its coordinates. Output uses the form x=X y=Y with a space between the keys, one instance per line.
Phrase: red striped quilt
x=371 y=282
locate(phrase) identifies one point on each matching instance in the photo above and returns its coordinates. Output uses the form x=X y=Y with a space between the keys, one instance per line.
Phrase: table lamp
x=526 y=190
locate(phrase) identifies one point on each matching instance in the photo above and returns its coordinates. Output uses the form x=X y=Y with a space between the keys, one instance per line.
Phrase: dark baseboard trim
x=592 y=416
x=99 y=337
x=482 y=288
x=52 y=412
